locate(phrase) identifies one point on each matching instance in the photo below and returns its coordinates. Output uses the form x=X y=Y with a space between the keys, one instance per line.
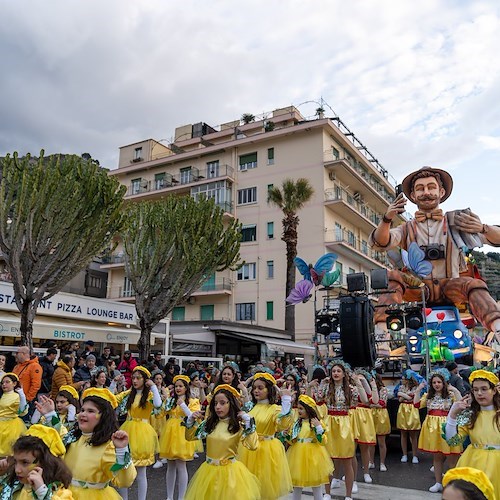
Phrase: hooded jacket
x=30 y=376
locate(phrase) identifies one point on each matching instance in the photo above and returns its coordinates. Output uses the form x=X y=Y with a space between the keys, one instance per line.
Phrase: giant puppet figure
x=427 y=188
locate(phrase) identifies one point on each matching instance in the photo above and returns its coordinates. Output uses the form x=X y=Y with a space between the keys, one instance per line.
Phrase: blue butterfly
x=414 y=260
x=315 y=273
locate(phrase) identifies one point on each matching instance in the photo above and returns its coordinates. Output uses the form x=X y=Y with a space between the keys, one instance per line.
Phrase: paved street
x=401 y=481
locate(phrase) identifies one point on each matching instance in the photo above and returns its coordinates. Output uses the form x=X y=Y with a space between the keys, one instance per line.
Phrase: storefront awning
x=276 y=344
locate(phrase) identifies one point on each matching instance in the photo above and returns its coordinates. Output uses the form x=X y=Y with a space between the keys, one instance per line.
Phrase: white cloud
x=490 y=142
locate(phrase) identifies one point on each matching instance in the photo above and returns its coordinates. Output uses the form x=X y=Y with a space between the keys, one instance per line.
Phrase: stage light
x=414 y=320
x=395 y=322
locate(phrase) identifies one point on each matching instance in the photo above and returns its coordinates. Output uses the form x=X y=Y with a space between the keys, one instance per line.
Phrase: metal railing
x=118 y=258
x=216 y=286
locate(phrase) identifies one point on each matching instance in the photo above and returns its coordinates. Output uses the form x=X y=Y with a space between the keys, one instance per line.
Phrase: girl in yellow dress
x=12 y=405
x=310 y=465
x=438 y=400
x=97 y=452
x=478 y=416
x=222 y=476
x=157 y=419
x=37 y=470
x=408 y=419
x=173 y=443
x=138 y=403
x=382 y=424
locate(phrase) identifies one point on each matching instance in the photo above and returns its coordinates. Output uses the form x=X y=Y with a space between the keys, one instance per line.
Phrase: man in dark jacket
x=47 y=364
x=85 y=372
x=455 y=379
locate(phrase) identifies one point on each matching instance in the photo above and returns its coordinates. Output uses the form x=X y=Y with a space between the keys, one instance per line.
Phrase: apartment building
x=241 y=313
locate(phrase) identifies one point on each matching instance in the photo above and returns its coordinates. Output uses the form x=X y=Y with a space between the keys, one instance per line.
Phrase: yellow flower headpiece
x=476 y=477
x=228 y=388
x=307 y=400
x=265 y=376
x=142 y=369
x=182 y=377
x=105 y=394
x=50 y=437
x=484 y=374
x=70 y=389
x=10 y=374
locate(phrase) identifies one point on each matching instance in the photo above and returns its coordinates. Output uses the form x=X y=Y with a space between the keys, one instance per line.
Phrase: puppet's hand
x=468 y=222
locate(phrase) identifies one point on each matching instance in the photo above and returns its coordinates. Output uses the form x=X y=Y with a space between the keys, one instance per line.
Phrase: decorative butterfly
x=315 y=273
x=330 y=278
x=301 y=292
x=414 y=261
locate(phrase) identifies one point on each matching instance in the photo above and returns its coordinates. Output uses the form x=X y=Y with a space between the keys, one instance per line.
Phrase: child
x=408 y=419
x=382 y=424
x=138 y=403
x=438 y=400
x=221 y=476
x=157 y=419
x=480 y=421
x=466 y=483
x=173 y=444
x=12 y=405
x=269 y=462
x=37 y=470
x=310 y=465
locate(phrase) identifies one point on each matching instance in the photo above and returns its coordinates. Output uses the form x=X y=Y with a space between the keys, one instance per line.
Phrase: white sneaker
x=432 y=469
x=383 y=468
x=414 y=460
x=158 y=464
x=368 y=479
x=196 y=455
x=437 y=488
x=348 y=498
x=164 y=460
x=355 y=488
x=371 y=465
x=404 y=459
x=326 y=496
x=335 y=484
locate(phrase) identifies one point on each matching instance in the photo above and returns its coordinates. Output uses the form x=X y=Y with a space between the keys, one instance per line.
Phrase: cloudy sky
x=418 y=82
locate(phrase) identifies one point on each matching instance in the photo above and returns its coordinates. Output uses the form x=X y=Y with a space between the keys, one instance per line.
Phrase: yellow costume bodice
x=267 y=421
x=309 y=433
x=9 y=405
x=176 y=411
x=485 y=430
x=135 y=410
x=26 y=494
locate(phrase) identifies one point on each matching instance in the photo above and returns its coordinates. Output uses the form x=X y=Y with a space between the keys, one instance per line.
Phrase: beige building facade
x=236 y=164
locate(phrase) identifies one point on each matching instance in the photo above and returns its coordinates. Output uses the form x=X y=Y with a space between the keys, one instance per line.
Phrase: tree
x=247 y=118
x=290 y=199
x=171 y=247
x=56 y=213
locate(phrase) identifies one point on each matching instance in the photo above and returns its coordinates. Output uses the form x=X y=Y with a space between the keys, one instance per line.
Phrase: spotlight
x=395 y=322
x=414 y=320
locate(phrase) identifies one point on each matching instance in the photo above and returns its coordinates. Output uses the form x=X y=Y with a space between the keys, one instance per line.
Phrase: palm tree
x=290 y=198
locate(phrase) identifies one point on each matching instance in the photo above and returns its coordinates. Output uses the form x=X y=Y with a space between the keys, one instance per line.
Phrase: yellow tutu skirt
x=364 y=425
x=382 y=421
x=107 y=493
x=223 y=482
x=270 y=465
x=430 y=437
x=198 y=446
x=340 y=436
x=173 y=442
x=158 y=423
x=486 y=460
x=309 y=464
x=408 y=417
x=143 y=441
x=10 y=431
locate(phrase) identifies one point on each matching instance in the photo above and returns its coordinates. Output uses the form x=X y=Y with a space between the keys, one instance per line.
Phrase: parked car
x=453 y=333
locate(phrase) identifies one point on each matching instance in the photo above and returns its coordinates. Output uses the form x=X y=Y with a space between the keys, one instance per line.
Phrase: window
x=351 y=238
x=179 y=313
x=270 y=269
x=338 y=232
x=339 y=267
x=269 y=311
x=246 y=196
x=351 y=270
x=364 y=247
x=219 y=191
x=128 y=291
x=136 y=186
x=207 y=312
x=245 y=311
x=137 y=154
x=212 y=169
x=160 y=180
x=270 y=156
x=335 y=153
x=186 y=176
x=270 y=230
x=247 y=272
x=269 y=187
x=248 y=161
x=94 y=281
x=249 y=233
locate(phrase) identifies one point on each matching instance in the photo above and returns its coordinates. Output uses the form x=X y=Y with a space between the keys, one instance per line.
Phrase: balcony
x=223 y=286
x=113 y=260
x=348 y=204
x=179 y=182
x=344 y=242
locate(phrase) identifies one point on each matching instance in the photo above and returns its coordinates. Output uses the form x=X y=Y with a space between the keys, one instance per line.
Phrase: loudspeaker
x=356 y=282
x=356 y=331
x=379 y=279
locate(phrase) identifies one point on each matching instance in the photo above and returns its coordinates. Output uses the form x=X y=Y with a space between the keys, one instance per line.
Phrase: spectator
x=169 y=375
x=85 y=372
x=105 y=356
x=3 y=360
x=47 y=364
x=157 y=361
x=63 y=375
x=455 y=379
x=126 y=367
x=177 y=368
x=89 y=348
x=29 y=372
x=74 y=348
x=301 y=368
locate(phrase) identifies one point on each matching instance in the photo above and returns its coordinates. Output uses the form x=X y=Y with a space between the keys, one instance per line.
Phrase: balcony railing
x=338 y=193
x=118 y=258
x=216 y=286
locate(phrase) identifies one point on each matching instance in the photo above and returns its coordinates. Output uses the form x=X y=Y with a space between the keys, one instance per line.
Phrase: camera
x=434 y=251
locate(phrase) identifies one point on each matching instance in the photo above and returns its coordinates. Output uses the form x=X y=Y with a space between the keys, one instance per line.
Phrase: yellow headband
x=143 y=370
x=307 y=400
x=105 y=394
x=182 y=377
x=69 y=389
x=10 y=374
x=228 y=388
x=484 y=374
x=50 y=437
x=476 y=477
x=265 y=376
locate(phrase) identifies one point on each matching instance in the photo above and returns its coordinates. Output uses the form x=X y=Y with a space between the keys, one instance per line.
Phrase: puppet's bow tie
x=422 y=216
